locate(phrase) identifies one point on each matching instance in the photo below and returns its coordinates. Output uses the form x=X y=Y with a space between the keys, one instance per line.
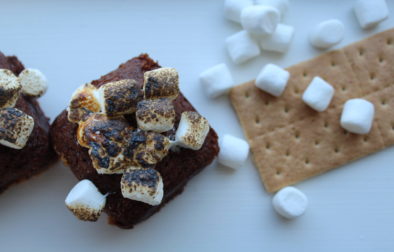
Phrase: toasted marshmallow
x=192 y=130
x=9 y=88
x=85 y=201
x=120 y=97
x=145 y=185
x=146 y=148
x=155 y=115
x=161 y=83
x=15 y=128
x=33 y=81
x=83 y=102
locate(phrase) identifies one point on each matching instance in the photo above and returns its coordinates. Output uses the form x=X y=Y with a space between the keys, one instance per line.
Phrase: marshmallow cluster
x=369 y=13
x=290 y=202
x=233 y=151
x=327 y=34
x=85 y=201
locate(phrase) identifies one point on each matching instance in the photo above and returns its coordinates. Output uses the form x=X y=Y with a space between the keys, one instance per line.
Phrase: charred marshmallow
x=84 y=101
x=161 y=83
x=33 y=82
x=145 y=185
x=15 y=128
x=119 y=97
x=9 y=88
x=85 y=201
x=192 y=130
x=155 y=115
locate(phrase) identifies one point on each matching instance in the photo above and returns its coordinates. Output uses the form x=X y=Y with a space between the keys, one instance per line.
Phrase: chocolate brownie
x=35 y=157
x=176 y=168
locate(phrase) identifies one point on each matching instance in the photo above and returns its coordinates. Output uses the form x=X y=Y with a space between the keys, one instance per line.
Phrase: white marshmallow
x=233 y=9
x=281 y=5
x=260 y=19
x=9 y=88
x=272 y=79
x=318 y=94
x=192 y=130
x=85 y=201
x=242 y=47
x=233 y=151
x=290 y=202
x=145 y=185
x=327 y=33
x=216 y=80
x=280 y=40
x=33 y=81
x=370 y=12
x=357 y=116
x=15 y=128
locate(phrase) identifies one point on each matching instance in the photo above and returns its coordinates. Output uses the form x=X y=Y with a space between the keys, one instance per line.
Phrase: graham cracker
x=290 y=142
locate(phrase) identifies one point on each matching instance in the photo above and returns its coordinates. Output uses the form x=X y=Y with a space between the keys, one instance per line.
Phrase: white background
x=73 y=42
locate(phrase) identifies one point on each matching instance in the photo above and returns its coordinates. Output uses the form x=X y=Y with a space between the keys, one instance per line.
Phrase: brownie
x=176 y=169
x=35 y=157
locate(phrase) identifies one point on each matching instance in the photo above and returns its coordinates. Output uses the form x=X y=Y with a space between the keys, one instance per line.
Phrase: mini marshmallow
x=145 y=185
x=280 y=40
x=9 y=88
x=84 y=101
x=161 y=83
x=281 y=5
x=357 y=116
x=272 y=79
x=242 y=47
x=370 y=12
x=216 y=80
x=15 y=128
x=85 y=201
x=155 y=115
x=290 y=202
x=233 y=151
x=318 y=94
x=327 y=33
x=120 y=97
x=260 y=19
x=233 y=9
x=33 y=81
x=192 y=130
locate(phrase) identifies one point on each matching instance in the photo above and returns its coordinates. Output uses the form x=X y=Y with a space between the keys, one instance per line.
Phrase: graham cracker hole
x=247 y=95
x=287 y=153
x=361 y=51
x=383 y=102
x=304 y=74
x=365 y=139
x=333 y=64
x=392 y=126
x=317 y=142
x=372 y=76
x=326 y=125
x=389 y=41
x=268 y=146
x=286 y=109
x=297 y=135
x=296 y=90
x=343 y=89
x=345 y=132
x=278 y=172
x=336 y=149
x=267 y=103
x=307 y=161
x=381 y=59
x=257 y=120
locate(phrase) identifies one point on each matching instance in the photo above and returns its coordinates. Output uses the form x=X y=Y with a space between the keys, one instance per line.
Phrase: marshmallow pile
x=261 y=21
x=15 y=125
x=117 y=147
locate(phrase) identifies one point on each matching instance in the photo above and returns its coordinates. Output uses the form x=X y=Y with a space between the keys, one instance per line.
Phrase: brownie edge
x=176 y=169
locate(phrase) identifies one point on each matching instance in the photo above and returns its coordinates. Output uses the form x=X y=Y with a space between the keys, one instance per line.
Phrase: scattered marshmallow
x=370 y=12
x=280 y=40
x=161 y=83
x=156 y=115
x=290 y=202
x=242 y=47
x=281 y=5
x=9 y=88
x=272 y=79
x=216 y=80
x=233 y=151
x=318 y=94
x=33 y=81
x=327 y=34
x=15 y=128
x=260 y=19
x=145 y=185
x=85 y=201
x=192 y=130
x=233 y=9
x=119 y=97
x=357 y=116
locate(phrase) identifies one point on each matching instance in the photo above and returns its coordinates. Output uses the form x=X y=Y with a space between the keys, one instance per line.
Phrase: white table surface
x=73 y=42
